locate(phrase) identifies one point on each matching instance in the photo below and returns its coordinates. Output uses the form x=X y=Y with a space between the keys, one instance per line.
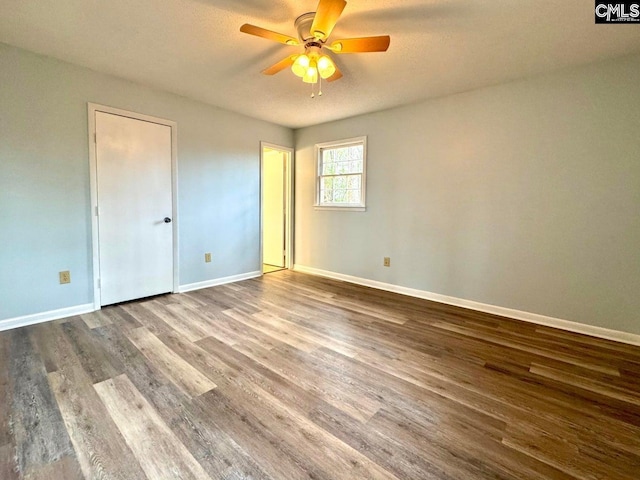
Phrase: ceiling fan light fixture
x=326 y=67
x=311 y=75
x=300 y=65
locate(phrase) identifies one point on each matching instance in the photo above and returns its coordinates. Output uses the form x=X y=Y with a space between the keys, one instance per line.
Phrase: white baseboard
x=218 y=281
x=615 y=335
x=25 y=320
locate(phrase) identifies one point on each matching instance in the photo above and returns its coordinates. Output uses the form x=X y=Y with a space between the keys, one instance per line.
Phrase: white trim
x=591 y=330
x=289 y=223
x=353 y=207
x=41 y=317
x=93 y=185
x=92 y=108
x=218 y=281
x=337 y=209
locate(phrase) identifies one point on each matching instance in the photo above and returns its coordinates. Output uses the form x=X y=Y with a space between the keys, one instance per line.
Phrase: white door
x=273 y=207
x=135 y=232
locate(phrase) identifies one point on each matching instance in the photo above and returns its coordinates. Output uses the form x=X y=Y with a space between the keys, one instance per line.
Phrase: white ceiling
x=194 y=48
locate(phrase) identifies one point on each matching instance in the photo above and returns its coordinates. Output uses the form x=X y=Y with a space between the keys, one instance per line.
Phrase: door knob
x=167 y=220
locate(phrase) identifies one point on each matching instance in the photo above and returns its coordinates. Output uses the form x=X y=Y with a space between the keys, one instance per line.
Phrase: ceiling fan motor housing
x=303 y=27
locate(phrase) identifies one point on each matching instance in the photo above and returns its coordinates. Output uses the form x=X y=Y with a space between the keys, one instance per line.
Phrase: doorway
x=276 y=205
x=133 y=198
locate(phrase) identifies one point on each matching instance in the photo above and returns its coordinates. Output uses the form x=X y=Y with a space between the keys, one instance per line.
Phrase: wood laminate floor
x=291 y=376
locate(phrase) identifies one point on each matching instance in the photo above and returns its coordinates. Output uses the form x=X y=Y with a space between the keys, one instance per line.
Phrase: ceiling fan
x=314 y=29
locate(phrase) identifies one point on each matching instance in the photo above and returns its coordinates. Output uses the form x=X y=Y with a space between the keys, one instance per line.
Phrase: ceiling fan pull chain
x=320 y=86
x=313 y=95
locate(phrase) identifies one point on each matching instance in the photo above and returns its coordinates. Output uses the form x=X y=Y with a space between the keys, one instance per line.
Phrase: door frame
x=289 y=188
x=92 y=108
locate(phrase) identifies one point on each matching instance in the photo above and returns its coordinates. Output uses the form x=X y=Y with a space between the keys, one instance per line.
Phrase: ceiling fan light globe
x=311 y=76
x=300 y=66
x=326 y=67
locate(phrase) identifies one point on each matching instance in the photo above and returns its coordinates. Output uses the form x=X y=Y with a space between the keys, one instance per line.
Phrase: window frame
x=319 y=148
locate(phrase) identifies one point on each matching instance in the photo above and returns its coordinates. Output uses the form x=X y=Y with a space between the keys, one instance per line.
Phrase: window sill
x=338 y=208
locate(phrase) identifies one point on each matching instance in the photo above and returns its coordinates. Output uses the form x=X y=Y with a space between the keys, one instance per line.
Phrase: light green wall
x=45 y=223
x=524 y=195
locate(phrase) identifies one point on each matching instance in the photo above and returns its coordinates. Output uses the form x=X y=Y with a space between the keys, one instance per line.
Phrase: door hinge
x=99 y=283
x=97 y=211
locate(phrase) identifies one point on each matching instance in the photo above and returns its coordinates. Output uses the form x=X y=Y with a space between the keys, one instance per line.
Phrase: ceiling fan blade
x=337 y=75
x=268 y=34
x=357 y=45
x=281 y=65
x=327 y=14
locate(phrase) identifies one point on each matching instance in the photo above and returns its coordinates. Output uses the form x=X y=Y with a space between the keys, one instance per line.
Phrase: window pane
x=339 y=196
x=338 y=168
x=339 y=182
x=328 y=168
x=356 y=152
x=340 y=160
x=354 y=181
x=340 y=189
x=353 y=196
x=326 y=183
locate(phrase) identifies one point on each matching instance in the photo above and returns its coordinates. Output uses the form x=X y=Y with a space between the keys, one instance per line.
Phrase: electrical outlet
x=387 y=261
x=65 y=277
x=207 y=257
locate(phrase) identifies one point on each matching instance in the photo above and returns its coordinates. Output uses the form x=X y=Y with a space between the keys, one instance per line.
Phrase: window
x=340 y=179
